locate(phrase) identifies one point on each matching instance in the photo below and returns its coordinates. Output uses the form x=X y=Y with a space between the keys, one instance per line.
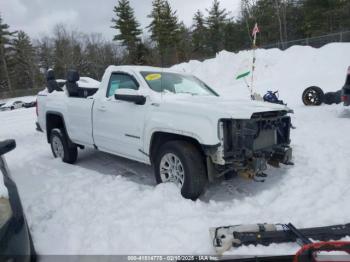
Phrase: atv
x=314 y=95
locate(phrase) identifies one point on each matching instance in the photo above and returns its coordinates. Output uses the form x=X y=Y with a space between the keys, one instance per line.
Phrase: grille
x=266 y=138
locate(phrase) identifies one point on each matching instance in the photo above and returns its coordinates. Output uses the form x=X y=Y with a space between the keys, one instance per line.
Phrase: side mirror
x=6 y=146
x=129 y=95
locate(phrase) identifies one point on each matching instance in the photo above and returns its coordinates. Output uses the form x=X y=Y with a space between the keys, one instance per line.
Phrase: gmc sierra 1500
x=171 y=120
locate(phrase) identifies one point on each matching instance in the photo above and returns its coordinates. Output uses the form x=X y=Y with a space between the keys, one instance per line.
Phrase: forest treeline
x=165 y=41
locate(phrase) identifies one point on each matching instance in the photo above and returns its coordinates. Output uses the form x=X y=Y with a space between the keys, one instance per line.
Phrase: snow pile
x=109 y=205
x=88 y=82
x=289 y=71
x=25 y=99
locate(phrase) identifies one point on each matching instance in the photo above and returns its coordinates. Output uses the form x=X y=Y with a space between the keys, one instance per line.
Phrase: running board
x=264 y=234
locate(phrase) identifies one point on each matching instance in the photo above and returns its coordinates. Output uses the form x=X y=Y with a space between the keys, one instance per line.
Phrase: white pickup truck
x=167 y=119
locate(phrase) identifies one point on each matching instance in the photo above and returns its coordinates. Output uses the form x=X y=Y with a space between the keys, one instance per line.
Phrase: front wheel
x=181 y=163
x=61 y=148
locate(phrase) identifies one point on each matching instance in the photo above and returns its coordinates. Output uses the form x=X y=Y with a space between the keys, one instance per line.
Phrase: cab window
x=119 y=80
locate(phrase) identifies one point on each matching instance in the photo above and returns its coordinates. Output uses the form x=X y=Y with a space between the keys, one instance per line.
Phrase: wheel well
x=160 y=138
x=53 y=121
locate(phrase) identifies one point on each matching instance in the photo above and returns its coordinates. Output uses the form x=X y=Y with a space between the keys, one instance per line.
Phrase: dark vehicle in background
x=15 y=240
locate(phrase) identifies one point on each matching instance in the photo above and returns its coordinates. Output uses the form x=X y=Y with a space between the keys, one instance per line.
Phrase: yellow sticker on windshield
x=152 y=77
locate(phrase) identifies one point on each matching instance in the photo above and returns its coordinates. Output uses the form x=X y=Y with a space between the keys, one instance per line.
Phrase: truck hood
x=222 y=107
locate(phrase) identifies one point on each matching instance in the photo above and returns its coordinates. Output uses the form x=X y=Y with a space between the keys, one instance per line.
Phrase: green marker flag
x=243 y=75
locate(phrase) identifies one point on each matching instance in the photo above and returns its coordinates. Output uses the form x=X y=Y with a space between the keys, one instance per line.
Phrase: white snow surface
x=24 y=99
x=88 y=82
x=109 y=205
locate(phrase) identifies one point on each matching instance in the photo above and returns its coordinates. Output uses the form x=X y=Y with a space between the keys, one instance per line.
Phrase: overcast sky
x=38 y=17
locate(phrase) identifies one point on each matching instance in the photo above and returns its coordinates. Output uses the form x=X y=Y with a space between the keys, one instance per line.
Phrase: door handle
x=102 y=108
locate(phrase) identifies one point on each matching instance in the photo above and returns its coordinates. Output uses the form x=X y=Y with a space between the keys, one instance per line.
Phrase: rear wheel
x=181 y=163
x=61 y=148
x=312 y=96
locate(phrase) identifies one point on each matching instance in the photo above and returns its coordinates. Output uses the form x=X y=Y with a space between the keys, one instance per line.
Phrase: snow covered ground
x=22 y=98
x=109 y=205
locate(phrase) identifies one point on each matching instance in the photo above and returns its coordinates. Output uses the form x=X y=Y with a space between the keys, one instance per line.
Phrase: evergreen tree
x=164 y=29
x=23 y=67
x=171 y=24
x=280 y=20
x=325 y=16
x=142 y=54
x=128 y=28
x=235 y=36
x=156 y=27
x=5 y=43
x=45 y=52
x=184 y=45
x=199 y=34
x=216 y=21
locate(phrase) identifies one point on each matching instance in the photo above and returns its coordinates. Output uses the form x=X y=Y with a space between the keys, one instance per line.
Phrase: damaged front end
x=248 y=145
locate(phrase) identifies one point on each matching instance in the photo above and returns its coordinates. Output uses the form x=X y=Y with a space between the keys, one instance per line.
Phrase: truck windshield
x=176 y=83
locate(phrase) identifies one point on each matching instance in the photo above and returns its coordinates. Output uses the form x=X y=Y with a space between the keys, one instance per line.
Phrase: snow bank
x=289 y=71
x=109 y=205
x=25 y=99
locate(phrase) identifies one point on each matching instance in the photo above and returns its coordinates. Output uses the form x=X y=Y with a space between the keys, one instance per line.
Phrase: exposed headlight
x=221 y=131
x=5 y=211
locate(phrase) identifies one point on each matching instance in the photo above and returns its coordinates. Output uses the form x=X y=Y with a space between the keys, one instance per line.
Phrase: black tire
x=313 y=96
x=329 y=98
x=70 y=152
x=337 y=97
x=195 y=175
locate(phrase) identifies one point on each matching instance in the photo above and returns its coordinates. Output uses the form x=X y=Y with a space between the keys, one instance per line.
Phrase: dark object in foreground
x=265 y=234
x=15 y=240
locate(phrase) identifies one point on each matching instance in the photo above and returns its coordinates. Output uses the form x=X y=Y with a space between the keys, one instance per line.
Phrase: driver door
x=118 y=125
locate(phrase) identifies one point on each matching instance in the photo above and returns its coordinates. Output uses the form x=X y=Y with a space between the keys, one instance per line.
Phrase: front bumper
x=248 y=145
